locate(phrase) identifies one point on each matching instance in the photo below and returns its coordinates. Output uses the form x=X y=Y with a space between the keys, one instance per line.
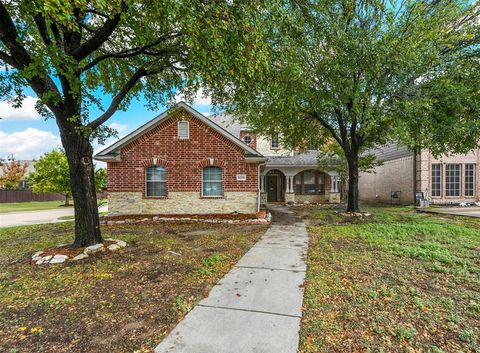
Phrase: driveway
x=454 y=211
x=37 y=217
x=257 y=306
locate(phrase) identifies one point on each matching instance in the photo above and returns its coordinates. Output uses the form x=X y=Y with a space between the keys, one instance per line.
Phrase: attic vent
x=183 y=130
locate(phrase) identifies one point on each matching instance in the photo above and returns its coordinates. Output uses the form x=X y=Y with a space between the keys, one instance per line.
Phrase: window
x=470 y=179
x=212 y=181
x=436 y=180
x=156 y=180
x=452 y=179
x=275 y=144
x=247 y=139
x=336 y=184
x=183 y=130
x=310 y=182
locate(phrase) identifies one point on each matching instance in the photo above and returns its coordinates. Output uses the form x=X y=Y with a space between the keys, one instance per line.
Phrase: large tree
x=363 y=72
x=84 y=53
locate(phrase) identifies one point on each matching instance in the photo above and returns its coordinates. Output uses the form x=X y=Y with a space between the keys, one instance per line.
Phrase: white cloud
x=199 y=98
x=26 y=112
x=27 y=144
x=206 y=113
x=118 y=126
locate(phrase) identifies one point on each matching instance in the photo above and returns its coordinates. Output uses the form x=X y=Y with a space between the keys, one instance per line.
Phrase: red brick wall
x=253 y=135
x=183 y=159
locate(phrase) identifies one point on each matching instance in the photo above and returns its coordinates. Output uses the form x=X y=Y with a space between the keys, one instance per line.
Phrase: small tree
x=52 y=175
x=13 y=172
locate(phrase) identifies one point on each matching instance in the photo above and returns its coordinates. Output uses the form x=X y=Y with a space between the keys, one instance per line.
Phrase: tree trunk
x=79 y=153
x=67 y=200
x=352 y=199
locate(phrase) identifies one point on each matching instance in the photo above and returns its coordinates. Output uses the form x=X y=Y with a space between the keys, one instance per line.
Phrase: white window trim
x=156 y=181
x=187 y=123
x=474 y=180
x=275 y=137
x=212 y=181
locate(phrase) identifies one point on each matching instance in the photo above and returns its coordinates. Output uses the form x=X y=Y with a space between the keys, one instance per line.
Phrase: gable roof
x=112 y=152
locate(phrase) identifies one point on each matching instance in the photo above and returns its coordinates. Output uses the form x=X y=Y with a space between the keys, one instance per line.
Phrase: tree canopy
x=361 y=73
x=13 y=172
x=85 y=54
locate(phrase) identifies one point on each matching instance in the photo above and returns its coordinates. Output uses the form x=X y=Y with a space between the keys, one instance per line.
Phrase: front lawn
x=123 y=301
x=396 y=281
x=30 y=206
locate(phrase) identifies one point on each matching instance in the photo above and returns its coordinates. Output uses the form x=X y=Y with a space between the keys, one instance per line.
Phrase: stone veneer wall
x=394 y=175
x=123 y=203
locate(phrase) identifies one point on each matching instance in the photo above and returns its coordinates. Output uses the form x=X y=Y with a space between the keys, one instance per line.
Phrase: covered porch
x=298 y=184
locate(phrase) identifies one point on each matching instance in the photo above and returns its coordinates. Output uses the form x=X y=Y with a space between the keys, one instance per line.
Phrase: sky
x=26 y=135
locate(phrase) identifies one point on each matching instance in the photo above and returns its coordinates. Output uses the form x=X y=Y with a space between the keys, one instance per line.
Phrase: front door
x=271 y=181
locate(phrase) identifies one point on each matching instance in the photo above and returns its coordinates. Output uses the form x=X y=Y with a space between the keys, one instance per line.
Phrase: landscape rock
x=58 y=259
x=93 y=249
x=121 y=243
x=80 y=257
x=113 y=247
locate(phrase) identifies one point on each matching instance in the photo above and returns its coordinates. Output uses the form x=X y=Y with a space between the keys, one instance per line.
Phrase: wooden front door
x=272 y=191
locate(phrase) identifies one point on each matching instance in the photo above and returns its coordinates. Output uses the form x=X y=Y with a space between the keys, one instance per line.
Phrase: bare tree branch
x=128 y=53
x=99 y=37
x=7 y=58
x=118 y=98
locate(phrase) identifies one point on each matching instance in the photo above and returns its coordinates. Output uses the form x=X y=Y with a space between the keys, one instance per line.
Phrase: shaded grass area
x=121 y=301
x=30 y=206
x=397 y=281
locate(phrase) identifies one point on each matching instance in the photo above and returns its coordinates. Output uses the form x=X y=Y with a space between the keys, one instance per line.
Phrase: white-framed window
x=436 y=180
x=453 y=173
x=155 y=181
x=275 y=143
x=247 y=139
x=183 y=130
x=212 y=181
x=470 y=179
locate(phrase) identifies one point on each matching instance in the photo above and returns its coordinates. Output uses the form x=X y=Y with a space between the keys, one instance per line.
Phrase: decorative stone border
x=38 y=259
x=109 y=222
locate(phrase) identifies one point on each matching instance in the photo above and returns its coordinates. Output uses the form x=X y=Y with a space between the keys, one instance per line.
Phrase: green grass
x=397 y=281
x=29 y=206
x=124 y=301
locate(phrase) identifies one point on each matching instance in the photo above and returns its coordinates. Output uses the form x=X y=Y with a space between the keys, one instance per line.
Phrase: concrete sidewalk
x=257 y=306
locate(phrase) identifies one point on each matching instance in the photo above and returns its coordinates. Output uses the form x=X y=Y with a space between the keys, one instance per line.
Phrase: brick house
x=183 y=162
x=444 y=180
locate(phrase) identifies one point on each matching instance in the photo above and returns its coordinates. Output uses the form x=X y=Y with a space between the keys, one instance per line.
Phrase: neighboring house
x=183 y=162
x=444 y=180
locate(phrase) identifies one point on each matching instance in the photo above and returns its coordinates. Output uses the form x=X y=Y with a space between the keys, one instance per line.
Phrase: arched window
x=212 y=181
x=247 y=139
x=156 y=181
x=310 y=182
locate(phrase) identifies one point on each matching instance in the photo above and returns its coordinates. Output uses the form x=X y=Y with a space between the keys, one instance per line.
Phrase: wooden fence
x=27 y=196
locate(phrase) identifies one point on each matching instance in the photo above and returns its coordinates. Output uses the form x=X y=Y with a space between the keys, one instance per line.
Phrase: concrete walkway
x=256 y=307
x=25 y=218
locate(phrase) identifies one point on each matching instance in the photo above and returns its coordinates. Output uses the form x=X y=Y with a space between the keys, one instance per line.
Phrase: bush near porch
x=396 y=281
x=124 y=301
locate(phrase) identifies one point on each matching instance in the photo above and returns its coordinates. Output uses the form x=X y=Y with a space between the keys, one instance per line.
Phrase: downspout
x=259 y=192
x=414 y=176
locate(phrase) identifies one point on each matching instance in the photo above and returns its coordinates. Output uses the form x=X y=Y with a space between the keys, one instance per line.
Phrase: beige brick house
x=444 y=180
x=182 y=162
